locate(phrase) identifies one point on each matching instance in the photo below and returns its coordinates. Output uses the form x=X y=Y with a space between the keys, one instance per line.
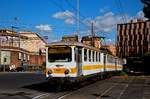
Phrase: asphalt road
x=34 y=86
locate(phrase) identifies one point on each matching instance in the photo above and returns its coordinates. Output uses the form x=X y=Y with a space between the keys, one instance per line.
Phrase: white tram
x=73 y=61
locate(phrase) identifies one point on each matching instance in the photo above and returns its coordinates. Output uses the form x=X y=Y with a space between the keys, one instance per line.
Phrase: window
x=99 y=57
x=5 y=59
x=93 y=54
x=59 y=54
x=24 y=56
x=20 y=56
x=28 y=57
x=89 y=55
x=85 y=54
x=96 y=57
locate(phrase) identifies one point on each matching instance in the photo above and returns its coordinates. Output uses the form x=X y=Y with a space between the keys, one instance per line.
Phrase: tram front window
x=59 y=54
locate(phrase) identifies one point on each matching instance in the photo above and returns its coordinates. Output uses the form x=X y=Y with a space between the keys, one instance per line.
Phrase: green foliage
x=122 y=73
x=146 y=11
x=147 y=54
x=146 y=8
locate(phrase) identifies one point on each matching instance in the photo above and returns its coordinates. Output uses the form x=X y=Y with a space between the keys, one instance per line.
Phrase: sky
x=56 y=18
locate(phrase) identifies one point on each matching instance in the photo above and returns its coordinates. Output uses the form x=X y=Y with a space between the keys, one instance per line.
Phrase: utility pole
x=93 y=33
x=78 y=18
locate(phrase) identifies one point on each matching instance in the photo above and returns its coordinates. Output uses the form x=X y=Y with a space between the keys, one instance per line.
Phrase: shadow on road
x=22 y=94
x=46 y=87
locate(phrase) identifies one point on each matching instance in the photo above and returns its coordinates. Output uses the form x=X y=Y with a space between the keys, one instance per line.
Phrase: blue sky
x=55 y=18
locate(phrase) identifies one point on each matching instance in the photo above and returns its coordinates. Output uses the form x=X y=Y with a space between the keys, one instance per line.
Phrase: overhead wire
x=60 y=6
x=121 y=10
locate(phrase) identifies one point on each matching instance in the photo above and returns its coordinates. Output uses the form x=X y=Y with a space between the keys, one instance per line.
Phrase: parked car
x=18 y=69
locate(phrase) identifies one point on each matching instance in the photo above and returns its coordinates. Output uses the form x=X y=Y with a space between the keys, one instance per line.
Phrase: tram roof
x=70 y=43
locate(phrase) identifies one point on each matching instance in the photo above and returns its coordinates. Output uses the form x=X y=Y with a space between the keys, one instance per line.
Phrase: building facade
x=92 y=41
x=111 y=48
x=21 y=49
x=133 y=39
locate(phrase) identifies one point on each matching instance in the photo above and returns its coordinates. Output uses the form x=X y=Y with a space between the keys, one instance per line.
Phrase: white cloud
x=109 y=41
x=108 y=21
x=63 y=15
x=44 y=27
x=69 y=21
x=140 y=15
x=105 y=23
x=67 y=16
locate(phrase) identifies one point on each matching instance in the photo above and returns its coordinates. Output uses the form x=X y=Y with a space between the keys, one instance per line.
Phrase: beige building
x=21 y=49
x=111 y=48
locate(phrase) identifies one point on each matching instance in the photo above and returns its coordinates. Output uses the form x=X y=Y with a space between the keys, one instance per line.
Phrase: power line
x=75 y=9
x=121 y=10
x=59 y=6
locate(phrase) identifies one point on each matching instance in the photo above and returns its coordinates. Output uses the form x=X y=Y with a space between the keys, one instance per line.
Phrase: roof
x=65 y=43
x=79 y=44
x=32 y=36
x=5 y=32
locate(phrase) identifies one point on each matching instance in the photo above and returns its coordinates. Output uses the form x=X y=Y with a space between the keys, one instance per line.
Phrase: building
x=35 y=44
x=111 y=48
x=92 y=41
x=20 y=49
x=73 y=38
x=133 y=40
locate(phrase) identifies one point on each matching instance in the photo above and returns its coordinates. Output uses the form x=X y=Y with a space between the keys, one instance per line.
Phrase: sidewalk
x=38 y=72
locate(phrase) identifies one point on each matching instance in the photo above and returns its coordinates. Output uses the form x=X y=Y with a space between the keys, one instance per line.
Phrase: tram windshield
x=59 y=54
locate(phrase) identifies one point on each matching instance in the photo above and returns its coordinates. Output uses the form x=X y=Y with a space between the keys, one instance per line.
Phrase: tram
x=74 y=61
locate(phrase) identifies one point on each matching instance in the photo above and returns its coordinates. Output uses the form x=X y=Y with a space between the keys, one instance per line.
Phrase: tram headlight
x=66 y=71
x=49 y=72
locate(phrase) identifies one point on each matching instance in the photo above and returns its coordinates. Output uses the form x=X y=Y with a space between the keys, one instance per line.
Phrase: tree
x=146 y=8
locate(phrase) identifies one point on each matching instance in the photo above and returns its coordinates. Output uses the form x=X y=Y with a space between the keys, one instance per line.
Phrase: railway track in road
x=105 y=86
x=112 y=88
x=109 y=91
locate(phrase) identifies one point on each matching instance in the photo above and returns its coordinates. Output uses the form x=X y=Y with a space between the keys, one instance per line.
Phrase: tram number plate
x=58 y=70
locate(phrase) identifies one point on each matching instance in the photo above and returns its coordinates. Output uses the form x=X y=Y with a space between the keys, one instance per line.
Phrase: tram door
x=79 y=60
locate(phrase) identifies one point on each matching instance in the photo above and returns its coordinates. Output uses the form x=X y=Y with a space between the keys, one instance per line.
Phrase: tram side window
x=85 y=54
x=99 y=57
x=96 y=57
x=93 y=56
x=89 y=55
x=75 y=54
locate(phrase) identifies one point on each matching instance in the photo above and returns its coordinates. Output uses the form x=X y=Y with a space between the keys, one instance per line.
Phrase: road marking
x=41 y=96
x=65 y=95
x=108 y=90
x=122 y=92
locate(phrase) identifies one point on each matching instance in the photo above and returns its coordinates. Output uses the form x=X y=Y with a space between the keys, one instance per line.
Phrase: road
x=34 y=86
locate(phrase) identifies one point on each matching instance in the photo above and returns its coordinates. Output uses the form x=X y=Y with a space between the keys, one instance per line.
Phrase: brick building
x=133 y=40
x=21 y=49
x=92 y=41
x=111 y=48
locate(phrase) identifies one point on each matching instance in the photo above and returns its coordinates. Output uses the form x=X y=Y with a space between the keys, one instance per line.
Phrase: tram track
x=107 y=87
x=114 y=88
x=109 y=91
